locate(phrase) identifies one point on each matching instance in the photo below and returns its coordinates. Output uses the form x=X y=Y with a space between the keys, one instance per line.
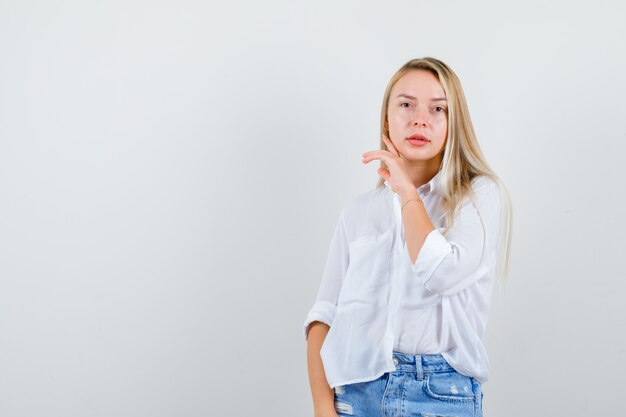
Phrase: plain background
x=171 y=173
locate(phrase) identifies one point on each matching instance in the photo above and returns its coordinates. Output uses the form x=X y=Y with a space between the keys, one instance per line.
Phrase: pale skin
x=323 y=395
x=417 y=105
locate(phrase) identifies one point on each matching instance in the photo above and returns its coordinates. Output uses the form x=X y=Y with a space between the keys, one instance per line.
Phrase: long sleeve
x=449 y=264
x=325 y=304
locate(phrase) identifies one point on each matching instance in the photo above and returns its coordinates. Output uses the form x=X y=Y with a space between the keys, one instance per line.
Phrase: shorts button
x=395 y=361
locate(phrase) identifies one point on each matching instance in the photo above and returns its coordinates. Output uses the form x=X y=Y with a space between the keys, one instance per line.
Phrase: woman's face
x=417 y=107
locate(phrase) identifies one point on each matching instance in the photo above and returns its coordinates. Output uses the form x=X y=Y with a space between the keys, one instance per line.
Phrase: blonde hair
x=462 y=159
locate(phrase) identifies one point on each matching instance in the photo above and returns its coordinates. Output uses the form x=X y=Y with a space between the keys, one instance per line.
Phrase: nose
x=419 y=118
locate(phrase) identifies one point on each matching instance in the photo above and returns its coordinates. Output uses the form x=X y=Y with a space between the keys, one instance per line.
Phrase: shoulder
x=487 y=192
x=485 y=186
x=483 y=181
x=489 y=196
x=366 y=205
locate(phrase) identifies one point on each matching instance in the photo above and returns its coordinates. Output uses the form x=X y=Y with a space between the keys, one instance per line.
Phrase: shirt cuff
x=434 y=250
x=321 y=311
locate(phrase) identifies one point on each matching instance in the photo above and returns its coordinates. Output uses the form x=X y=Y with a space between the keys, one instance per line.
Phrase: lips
x=417 y=136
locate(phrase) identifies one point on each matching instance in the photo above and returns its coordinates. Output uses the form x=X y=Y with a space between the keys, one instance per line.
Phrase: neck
x=421 y=172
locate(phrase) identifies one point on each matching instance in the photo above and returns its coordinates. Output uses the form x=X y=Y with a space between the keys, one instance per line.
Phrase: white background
x=171 y=173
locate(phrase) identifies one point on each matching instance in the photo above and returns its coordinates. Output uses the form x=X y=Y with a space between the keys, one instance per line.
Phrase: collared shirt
x=376 y=300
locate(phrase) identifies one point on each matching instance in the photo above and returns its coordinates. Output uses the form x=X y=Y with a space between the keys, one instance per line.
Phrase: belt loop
x=419 y=374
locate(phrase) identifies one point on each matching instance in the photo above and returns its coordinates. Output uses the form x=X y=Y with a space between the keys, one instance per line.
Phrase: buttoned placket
x=397 y=267
x=395 y=270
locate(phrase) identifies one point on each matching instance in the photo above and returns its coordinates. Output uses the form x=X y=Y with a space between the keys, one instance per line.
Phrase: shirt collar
x=433 y=184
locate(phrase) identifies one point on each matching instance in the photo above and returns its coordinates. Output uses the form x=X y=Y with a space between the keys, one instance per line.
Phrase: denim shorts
x=421 y=385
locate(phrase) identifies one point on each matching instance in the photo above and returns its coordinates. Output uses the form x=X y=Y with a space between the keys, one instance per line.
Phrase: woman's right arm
x=321 y=316
x=323 y=395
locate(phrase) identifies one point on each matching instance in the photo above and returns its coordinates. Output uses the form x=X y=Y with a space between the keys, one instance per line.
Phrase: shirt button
x=395 y=361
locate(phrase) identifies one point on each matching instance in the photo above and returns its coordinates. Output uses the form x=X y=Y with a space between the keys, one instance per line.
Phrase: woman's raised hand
x=395 y=174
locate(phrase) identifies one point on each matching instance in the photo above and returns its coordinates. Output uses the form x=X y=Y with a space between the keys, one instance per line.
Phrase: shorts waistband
x=421 y=364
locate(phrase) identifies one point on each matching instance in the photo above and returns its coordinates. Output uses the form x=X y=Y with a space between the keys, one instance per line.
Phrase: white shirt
x=376 y=301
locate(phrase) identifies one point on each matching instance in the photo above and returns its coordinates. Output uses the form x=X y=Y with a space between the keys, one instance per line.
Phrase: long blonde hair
x=462 y=160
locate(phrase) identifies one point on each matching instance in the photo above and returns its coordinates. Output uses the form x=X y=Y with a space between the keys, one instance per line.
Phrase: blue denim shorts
x=421 y=385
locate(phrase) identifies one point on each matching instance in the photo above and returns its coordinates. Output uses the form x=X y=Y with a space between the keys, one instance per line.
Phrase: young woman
x=398 y=323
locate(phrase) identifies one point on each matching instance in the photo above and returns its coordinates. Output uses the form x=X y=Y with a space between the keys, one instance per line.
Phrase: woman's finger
x=378 y=154
x=384 y=173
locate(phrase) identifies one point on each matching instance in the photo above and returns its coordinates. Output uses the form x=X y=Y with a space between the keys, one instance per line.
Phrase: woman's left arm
x=416 y=221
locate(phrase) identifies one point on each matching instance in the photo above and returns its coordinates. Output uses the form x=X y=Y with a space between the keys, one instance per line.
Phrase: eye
x=440 y=109
x=405 y=104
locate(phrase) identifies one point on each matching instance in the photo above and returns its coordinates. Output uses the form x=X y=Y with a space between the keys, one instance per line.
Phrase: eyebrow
x=413 y=98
